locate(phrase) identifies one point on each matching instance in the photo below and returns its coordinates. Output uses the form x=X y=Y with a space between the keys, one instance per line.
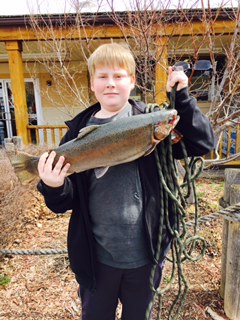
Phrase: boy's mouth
x=110 y=93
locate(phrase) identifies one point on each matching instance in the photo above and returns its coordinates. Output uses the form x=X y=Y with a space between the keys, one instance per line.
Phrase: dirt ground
x=43 y=286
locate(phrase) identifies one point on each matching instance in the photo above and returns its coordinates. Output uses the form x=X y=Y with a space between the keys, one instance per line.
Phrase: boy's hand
x=174 y=77
x=52 y=176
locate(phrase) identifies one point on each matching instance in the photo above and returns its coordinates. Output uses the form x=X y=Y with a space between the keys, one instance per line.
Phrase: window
x=200 y=73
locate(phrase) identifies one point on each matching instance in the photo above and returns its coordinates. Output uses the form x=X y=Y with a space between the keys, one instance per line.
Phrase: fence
x=46 y=134
x=229 y=146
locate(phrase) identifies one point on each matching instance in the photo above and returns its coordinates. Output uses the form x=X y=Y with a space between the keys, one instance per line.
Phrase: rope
x=173 y=199
x=32 y=252
x=208 y=218
x=231 y=213
x=227 y=213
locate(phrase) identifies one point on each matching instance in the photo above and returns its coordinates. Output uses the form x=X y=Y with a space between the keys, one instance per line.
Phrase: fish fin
x=150 y=150
x=24 y=165
x=85 y=131
x=100 y=172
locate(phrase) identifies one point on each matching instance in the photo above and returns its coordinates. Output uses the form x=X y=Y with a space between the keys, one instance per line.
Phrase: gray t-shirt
x=115 y=204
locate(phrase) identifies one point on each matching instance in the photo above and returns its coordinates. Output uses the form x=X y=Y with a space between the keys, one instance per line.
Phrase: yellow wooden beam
x=14 y=49
x=102 y=32
x=232 y=163
x=161 y=69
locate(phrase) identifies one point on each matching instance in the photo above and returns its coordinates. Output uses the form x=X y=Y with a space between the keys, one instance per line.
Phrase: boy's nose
x=111 y=82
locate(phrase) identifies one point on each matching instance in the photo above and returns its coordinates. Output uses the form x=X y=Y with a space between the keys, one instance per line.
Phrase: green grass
x=200 y=194
x=4 y=280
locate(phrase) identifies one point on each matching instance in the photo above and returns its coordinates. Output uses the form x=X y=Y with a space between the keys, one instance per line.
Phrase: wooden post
x=224 y=257
x=230 y=279
x=232 y=284
x=14 y=49
x=161 y=69
x=232 y=176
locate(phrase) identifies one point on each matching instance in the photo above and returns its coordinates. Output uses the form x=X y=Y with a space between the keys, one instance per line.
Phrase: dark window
x=200 y=73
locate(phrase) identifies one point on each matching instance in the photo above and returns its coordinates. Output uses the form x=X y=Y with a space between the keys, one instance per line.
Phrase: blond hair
x=112 y=54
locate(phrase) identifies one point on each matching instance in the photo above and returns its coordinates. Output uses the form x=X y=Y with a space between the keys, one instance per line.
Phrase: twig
x=213 y=314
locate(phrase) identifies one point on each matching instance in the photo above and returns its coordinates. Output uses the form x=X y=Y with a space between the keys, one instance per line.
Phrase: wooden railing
x=46 y=134
x=228 y=147
x=52 y=134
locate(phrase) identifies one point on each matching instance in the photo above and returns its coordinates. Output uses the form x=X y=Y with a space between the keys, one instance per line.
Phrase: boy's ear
x=91 y=85
x=133 y=81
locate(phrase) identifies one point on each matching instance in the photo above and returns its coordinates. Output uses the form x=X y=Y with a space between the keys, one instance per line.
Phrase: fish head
x=165 y=123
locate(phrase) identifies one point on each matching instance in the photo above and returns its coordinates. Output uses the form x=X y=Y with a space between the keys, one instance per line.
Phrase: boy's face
x=112 y=87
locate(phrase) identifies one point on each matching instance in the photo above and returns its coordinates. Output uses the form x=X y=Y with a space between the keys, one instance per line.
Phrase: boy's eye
x=119 y=76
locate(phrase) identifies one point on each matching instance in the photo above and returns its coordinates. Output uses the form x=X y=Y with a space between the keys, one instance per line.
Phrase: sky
x=21 y=7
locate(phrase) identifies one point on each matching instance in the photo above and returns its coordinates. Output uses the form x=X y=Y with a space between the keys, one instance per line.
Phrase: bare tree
x=62 y=57
x=225 y=81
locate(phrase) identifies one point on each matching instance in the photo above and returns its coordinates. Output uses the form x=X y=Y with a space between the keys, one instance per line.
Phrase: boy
x=113 y=227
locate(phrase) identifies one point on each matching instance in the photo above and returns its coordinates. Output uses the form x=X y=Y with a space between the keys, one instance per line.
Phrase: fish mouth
x=171 y=120
x=162 y=129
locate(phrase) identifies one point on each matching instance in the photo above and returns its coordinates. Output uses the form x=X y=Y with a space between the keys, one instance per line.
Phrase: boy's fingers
x=58 y=166
x=42 y=161
x=49 y=161
x=52 y=172
x=51 y=157
x=174 y=77
x=170 y=70
x=64 y=170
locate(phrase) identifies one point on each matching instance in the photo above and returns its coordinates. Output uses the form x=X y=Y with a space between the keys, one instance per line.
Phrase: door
x=7 y=116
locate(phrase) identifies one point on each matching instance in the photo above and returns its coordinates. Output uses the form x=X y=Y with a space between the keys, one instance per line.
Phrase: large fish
x=102 y=146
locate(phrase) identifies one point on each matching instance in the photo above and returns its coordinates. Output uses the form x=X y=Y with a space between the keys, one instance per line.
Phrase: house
x=43 y=73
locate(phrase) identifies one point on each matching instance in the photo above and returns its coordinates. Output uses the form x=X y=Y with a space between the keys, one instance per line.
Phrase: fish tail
x=24 y=165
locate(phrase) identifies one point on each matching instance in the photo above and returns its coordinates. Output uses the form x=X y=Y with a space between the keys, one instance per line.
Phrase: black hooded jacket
x=73 y=195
